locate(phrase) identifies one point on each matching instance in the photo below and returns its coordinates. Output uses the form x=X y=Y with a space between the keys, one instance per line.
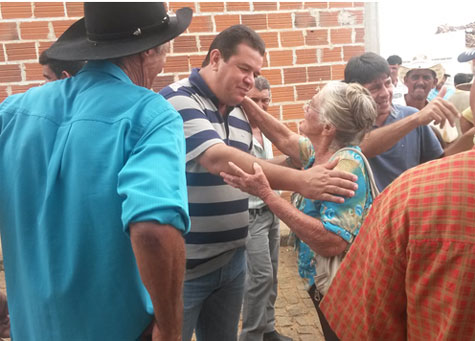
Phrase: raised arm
x=278 y=133
x=319 y=183
x=160 y=254
x=381 y=139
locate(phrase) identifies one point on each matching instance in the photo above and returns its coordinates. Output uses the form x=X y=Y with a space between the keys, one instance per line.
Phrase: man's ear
x=65 y=74
x=214 y=59
x=436 y=81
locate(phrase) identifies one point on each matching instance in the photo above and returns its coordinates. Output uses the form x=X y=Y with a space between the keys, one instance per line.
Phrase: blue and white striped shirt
x=219 y=212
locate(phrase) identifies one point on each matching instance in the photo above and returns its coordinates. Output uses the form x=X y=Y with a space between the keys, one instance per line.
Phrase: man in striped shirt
x=217 y=132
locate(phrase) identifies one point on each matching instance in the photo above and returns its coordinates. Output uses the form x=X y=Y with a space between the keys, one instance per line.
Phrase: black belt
x=259 y=211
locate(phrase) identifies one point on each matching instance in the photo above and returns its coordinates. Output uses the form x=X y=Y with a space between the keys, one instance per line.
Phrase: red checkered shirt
x=410 y=274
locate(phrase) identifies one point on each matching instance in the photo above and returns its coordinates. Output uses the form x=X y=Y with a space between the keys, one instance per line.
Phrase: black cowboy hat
x=118 y=29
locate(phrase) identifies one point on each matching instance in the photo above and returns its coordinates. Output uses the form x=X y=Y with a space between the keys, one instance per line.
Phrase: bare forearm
x=465 y=142
x=381 y=139
x=307 y=228
x=278 y=133
x=160 y=254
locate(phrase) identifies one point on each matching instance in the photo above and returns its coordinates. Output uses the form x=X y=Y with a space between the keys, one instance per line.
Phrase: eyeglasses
x=308 y=106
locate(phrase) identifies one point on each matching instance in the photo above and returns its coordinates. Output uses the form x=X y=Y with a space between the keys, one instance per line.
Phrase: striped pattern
x=410 y=273
x=219 y=213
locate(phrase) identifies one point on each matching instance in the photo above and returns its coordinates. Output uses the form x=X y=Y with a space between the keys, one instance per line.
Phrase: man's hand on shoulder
x=324 y=183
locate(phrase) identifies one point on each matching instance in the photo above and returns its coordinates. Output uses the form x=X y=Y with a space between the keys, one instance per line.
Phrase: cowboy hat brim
x=464 y=86
x=438 y=69
x=74 y=45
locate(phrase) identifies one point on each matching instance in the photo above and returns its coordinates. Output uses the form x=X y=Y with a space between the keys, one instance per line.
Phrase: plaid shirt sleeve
x=410 y=272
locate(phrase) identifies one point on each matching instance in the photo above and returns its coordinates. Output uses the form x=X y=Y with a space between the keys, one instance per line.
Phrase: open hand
x=255 y=184
x=324 y=183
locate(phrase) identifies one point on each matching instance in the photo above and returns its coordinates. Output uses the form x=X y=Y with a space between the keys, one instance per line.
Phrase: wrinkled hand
x=255 y=184
x=438 y=110
x=324 y=183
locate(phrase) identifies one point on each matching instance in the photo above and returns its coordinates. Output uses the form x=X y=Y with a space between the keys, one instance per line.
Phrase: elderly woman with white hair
x=336 y=119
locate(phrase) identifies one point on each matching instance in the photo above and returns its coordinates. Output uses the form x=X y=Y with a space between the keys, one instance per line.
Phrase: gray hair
x=261 y=83
x=350 y=109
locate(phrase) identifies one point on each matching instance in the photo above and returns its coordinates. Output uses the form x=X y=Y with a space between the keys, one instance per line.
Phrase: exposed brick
x=306 y=56
x=290 y=5
x=274 y=76
x=10 y=73
x=61 y=25
x=316 y=4
x=264 y=6
x=316 y=37
x=274 y=110
x=3 y=93
x=306 y=91
x=292 y=112
x=295 y=75
x=280 y=58
x=350 y=51
x=224 y=21
x=282 y=94
x=318 y=73
x=183 y=75
x=20 y=51
x=338 y=71
x=174 y=6
x=44 y=45
x=359 y=15
x=331 y=55
x=34 y=71
x=212 y=7
x=162 y=81
x=49 y=9
x=17 y=89
x=293 y=125
x=237 y=6
x=2 y=54
x=75 y=9
x=359 y=37
x=358 y=4
x=205 y=42
x=333 y=4
x=201 y=23
x=304 y=20
x=16 y=10
x=328 y=19
x=176 y=64
x=255 y=21
x=183 y=44
x=341 y=36
x=196 y=60
x=291 y=38
x=279 y=20
x=8 y=31
x=34 y=30
x=270 y=38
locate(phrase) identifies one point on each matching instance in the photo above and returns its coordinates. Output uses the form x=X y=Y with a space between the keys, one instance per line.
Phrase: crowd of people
x=131 y=215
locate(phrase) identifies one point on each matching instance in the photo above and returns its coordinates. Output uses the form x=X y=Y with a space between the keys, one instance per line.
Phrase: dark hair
x=461 y=78
x=394 y=60
x=261 y=83
x=58 y=66
x=365 y=68
x=228 y=40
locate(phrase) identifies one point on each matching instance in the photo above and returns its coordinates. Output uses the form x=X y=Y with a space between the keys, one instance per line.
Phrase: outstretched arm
x=307 y=228
x=278 y=133
x=319 y=182
x=160 y=254
x=381 y=139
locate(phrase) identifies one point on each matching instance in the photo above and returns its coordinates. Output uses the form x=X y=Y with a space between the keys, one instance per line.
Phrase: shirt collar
x=107 y=67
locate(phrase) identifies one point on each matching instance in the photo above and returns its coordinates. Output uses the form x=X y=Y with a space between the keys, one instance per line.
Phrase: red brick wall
x=307 y=43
